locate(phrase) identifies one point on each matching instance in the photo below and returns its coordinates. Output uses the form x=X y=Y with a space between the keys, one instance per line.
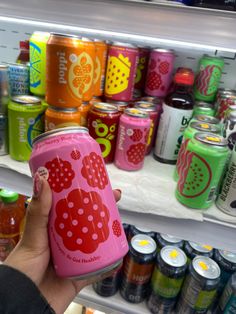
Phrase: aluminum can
x=70 y=70
x=155 y=100
x=224 y=99
x=121 y=70
x=227 y=303
x=3 y=135
x=163 y=240
x=26 y=121
x=132 y=139
x=137 y=269
x=141 y=72
x=205 y=108
x=61 y=117
x=133 y=231
x=38 y=42
x=103 y=122
x=200 y=286
x=203 y=166
x=167 y=279
x=226 y=200
x=229 y=131
x=100 y=67
x=84 y=225
x=208 y=77
x=19 y=79
x=205 y=119
x=121 y=105
x=159 y=74
x=193 y=249
x=4 y=88
x=84 y=110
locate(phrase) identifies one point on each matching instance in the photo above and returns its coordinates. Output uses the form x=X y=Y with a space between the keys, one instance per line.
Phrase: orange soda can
x=56 y=117
x=100 y=67
x=83 y=110
x=70 y=70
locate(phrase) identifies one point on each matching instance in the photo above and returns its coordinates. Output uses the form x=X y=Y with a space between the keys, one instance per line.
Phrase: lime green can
x=205 y=108
x=26 y=121
x=38 y=42
x=202 y=167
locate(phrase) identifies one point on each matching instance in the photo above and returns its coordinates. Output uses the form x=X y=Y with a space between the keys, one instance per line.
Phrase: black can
x=137 y=269
x=167 y=239
x=193 y=249
x=219 y=4
x=108 y=286
x=133 y=230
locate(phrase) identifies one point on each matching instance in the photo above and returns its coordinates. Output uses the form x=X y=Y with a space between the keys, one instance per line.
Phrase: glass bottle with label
x=176 y=114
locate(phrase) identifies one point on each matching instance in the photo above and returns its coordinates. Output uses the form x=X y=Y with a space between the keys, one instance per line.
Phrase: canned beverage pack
x=3 y=134
x=159 y=74
x=200 y=286
x=99 y=67
x=163 y=240
x=193 y=249
x=137 y=269
x=167 y=279
x=26 y=121
x=204 y=162
x=226 y=200
x=227 y=303
x=224 y=99
x=61 y=117
x=132 y=139
x=133 y=231
x=141 y=72
x=121 y=70
x=38 y=42
x=19 y=79
x=84 y=225
x=4 y=88
x=208 y=77
x=103 y=122
x=205 y=108
x=229 y=131
x=70 y=70
x=84 y=110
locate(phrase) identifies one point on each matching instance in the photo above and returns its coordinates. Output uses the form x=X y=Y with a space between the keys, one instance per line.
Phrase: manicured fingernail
x=37 y=185
x=119 y=191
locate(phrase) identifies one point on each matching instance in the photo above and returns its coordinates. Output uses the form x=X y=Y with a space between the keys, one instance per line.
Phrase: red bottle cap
x=184 y=76
x=24 y=44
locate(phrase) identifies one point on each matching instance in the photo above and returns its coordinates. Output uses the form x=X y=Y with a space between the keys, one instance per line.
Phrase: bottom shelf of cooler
x=111 y=305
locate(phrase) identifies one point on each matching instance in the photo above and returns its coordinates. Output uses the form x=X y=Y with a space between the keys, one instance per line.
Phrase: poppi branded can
x=37 y=44
x=224 y=99
x=121 y=105
x=193 y=249
x=26 y=121
x=19 y=79
x=163 y=240
x=132 y=139
x=204 y=161
x=133 y=231
x=159 y=74
x=205 y=108
x=141 y=72
x=84 y=225
x=4 y=88
x=227 y=303
x=84 y=110
x=199 y=287
x=137 y=269
x=70 y=70
x=103 y=122
x=61 y=117
x=3 y=135
x=167 y=279
x=100 y=67
x=205 y=119
x=121 y=70
x=208 y=77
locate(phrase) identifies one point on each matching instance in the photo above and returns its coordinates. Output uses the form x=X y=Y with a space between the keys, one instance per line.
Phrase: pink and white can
x=85 y=231
x=160 y=70
x=132 y=139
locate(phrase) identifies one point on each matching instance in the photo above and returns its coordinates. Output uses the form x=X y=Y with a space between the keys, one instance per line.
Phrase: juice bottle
x=11 y=222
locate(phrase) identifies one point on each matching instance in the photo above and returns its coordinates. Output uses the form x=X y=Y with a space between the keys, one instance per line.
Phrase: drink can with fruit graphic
x=225 y=99
x=26 y=121
x=70 y=70
x=99 y=67
x=103 y=122
x=208 y=77
x=37 y=44
x=121 y=70
x=132 y=139
x=159 y=74
x=205 y=108
x=84 y=225
x=203 y=165
x=61 y=117
x=141 y=72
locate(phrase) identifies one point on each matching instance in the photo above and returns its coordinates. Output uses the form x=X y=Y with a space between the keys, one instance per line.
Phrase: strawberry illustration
x=152 y=64
x=61 y=174
x=116 y=228
x=136 y=153
x=137 y=135
x=94 y=171
x=154 y=81
x=164 y=67
x=82 y=221
x=75 y=154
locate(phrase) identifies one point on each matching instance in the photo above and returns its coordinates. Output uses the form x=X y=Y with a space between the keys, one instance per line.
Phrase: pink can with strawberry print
x=132 y=139
x=85 y=231
x=160 y=70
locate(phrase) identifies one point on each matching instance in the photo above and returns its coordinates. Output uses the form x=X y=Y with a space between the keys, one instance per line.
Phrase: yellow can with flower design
x=69 y=70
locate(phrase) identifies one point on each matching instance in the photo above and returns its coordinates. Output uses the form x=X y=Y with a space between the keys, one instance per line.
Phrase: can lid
x=18 y=65
x=203 y=104
x=58 y=109
x=8 y=196
x=104 y=107
x=169 y=238
x=121 y=44
x=208 y=119
x=142 y=229
x=203 y=248
x=211 y=139
x=206 y=267
x=162 y=50
x=152 y=99
x=65 y=35
x=232 y=107
x=203 y=126
x=3 y=66
x=173 y=256
x=226 y=91
x=232 y=114
x=212 y=57
x=146 y=106
x=137 y=113
x=144 y=244
x=26 y=100
x=229 y=256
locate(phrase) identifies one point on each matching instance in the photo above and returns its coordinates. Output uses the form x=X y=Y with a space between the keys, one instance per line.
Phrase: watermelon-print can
x=85 y=231
x=208 y=77
x=224 y=99
x=132 y=139
x=160 y=70
x=203 y=164
x=121 y=70
x=141 y=72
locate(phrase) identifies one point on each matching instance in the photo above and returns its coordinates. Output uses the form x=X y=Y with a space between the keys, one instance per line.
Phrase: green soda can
x=208 y=77
x=203 y=164
x=193 y=249
x=205 y=108
x=167 y=279
x=205 y=119
x=38 y=43
x=26 y=121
